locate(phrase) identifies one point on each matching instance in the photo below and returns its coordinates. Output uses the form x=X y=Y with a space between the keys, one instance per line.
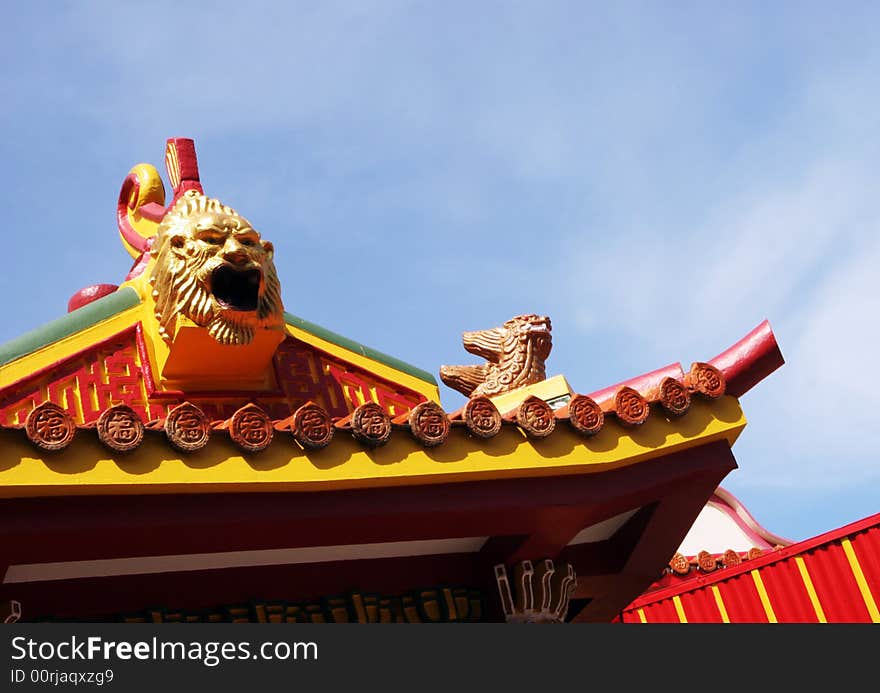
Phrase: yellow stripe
x=172 y=164
x=765 y=600
x=679 y=609
x=720 y=602
x=811 y=591
x=642 y=615
x=860 y=579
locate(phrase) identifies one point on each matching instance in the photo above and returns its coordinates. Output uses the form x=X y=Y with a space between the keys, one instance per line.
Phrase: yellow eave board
x=86 y=467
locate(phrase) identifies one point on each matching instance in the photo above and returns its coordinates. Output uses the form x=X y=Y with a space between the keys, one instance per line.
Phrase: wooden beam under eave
x=556 y=524
x=669 y=523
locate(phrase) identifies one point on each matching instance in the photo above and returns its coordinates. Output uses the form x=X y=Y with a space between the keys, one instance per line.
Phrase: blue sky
x=656 y=177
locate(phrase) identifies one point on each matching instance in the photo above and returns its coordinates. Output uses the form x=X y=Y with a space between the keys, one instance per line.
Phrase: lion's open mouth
x=236 y=289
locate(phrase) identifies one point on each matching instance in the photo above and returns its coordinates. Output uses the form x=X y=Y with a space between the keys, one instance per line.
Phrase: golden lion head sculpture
x=213 y=267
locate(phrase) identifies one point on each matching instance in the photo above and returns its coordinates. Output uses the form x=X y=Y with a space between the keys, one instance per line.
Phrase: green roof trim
x=76 y=321
x=108 y=306
x=351 y=345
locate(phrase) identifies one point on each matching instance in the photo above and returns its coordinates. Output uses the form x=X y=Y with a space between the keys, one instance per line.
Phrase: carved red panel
x=305 y=373
x=114 y=372
x=84 y=385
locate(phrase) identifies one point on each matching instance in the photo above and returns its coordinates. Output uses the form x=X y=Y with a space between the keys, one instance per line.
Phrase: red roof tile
x=834 y=577
x=188 y=429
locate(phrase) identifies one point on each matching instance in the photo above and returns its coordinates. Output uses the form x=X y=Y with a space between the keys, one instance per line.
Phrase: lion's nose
x=235 y=256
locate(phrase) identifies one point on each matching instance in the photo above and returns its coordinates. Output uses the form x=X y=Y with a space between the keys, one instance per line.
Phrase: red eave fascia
x=773 y=556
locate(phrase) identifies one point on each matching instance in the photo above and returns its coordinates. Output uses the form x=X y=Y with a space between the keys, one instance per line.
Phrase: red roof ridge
x=743 y=364
x=744 y=517
x=750 y=360
x=369 y=422
x=629 y=402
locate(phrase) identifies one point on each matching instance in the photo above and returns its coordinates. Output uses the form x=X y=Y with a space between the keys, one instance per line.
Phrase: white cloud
x=805 y=255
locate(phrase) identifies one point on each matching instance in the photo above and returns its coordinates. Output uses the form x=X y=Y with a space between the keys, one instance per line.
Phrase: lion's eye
x=247 y=241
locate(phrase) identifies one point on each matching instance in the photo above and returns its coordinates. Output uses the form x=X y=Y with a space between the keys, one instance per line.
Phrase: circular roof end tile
x=535 y=417
x=187 y=428
x=49 y=427
x=631 y=408
x=705 y=379
x=120 y=429
x=674 y=397
x=482 y=417
x=251 y=429
x=312 y=427
x=429 y=424
x=585 y=416
x=371 y=425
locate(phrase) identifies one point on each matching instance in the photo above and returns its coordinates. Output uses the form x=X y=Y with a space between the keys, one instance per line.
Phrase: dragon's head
x=515 y=352
x=533 y=331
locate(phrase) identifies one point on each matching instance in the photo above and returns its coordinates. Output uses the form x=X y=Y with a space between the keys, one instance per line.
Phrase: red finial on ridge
x=182 y=165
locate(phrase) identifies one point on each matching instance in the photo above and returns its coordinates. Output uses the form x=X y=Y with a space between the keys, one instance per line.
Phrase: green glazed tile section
x=351 y=345
x=80 y=319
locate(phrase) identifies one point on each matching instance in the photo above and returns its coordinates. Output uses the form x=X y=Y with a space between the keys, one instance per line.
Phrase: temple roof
x=191 y=388
x=646 y=417
x=194 y=349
